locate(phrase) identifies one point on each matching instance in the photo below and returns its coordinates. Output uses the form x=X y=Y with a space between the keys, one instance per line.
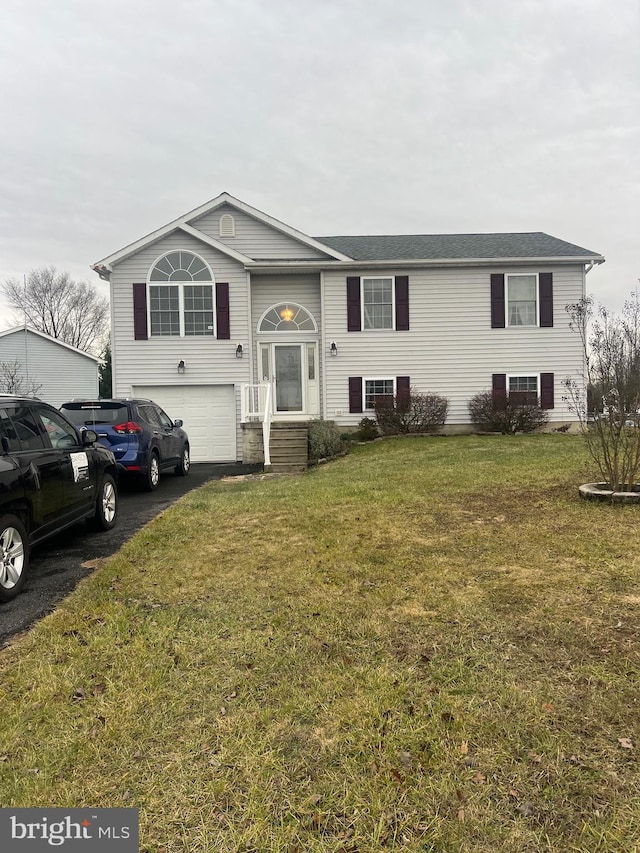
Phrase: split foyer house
x=228 y=318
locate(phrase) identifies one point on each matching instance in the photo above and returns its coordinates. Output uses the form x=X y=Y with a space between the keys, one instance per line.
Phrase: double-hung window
x=164 y=309
x=522 y=300
x=377 y=388
x=198 y=309
x=377 y=303
x=179 y=306
x=524 y=389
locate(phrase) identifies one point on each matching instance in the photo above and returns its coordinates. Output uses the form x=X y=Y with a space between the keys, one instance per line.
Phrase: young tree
x=51 y=302
x=12 y=380
x=104 y=373
x=606 y=399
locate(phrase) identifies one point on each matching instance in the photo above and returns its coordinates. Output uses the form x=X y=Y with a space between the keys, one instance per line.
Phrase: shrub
x=324 y=439
x=608 y=408
x=410 y=412
x=508 y=414
x=367 y=430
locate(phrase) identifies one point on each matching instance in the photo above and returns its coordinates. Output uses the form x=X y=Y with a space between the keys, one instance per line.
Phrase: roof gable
x=29 y=330
x=257 y=239
x=186 y=222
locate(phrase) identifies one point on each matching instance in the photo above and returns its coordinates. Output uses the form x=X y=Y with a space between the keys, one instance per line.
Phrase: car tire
x=152 y=476
x=14 y=556
x=106 y=505
x=182 y=468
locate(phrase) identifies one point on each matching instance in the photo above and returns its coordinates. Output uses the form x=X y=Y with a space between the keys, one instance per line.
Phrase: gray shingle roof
x=391 y=247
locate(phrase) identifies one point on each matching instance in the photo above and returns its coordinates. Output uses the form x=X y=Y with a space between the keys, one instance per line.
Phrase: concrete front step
x=287 y=469
x=288 y=448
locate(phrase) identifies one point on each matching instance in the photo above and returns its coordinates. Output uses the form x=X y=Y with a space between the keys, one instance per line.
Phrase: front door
x=288 y=377
x=293 y=371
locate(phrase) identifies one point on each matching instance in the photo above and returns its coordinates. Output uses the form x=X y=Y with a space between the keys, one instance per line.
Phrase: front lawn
x=429 y=645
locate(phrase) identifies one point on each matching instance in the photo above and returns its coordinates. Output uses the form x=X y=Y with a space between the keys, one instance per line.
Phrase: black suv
x=51 y=476
x=141 y=435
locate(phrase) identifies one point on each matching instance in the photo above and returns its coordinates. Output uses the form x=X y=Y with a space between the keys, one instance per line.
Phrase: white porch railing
x=256 y=405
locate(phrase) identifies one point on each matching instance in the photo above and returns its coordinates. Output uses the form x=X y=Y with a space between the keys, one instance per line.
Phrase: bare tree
x=51 y=302
x=606 y=399
x=12 y=380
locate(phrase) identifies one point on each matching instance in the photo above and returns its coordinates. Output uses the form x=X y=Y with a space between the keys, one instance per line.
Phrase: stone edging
x=602 y=492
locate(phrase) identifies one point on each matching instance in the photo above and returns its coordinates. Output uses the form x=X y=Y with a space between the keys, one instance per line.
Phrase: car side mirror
x=178 y=422
x=89 y=436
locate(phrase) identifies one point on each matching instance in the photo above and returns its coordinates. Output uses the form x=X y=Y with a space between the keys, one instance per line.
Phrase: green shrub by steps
x=324 y=439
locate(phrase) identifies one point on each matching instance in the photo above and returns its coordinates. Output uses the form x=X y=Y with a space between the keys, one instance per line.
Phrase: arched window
x=177 y=305
x=287 y=317
x=180 y=266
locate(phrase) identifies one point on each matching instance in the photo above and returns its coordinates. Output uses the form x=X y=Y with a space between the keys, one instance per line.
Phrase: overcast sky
x=335 y=116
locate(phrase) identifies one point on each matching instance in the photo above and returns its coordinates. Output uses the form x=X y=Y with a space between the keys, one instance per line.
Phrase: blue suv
x=141 y=436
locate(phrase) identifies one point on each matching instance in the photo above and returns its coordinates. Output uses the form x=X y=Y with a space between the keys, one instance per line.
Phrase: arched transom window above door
x=287 y=317
x=180 y=266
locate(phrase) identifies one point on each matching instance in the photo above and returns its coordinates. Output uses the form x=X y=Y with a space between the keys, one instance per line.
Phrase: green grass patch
x=428 y=645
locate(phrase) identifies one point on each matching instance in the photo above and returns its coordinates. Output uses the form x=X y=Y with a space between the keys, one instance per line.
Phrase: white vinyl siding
x=208 y=361
x=451 y=348
x=268 y=290
x=253 y=238
x=58 y=372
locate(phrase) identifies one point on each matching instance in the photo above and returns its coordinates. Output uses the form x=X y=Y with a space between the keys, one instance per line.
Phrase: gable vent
x=227 y=225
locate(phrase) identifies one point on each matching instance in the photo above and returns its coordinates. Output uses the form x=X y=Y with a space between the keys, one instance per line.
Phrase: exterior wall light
x=333 y=349
x=181 y=366
x=239 y=351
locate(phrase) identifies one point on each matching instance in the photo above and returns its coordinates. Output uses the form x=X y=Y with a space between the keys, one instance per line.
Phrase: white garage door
x=209 y=415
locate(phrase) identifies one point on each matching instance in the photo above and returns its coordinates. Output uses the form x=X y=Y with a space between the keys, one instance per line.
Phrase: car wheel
x=152 y=477
x=182 y=468
x=14 y=556
x=106 y=505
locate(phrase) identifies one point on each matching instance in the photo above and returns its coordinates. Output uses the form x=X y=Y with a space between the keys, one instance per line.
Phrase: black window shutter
x=402 y=303
x=355 y=393
x=222 y=311
x=497 y=301
x=140 y=312
x=353 y=305
x=499 y=386
x=546 y=298
x=403 y=385
x=546 y=391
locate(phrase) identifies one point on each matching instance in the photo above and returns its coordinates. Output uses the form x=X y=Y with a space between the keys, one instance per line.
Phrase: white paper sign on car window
x=80 y=465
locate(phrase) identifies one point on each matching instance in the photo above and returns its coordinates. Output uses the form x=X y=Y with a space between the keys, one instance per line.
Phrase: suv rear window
x=87 y=414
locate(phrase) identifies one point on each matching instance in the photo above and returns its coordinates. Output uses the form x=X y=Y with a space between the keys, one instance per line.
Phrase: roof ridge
x=444 y=234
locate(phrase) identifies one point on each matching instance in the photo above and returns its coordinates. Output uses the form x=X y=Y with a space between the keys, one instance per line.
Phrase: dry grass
x=430 y=645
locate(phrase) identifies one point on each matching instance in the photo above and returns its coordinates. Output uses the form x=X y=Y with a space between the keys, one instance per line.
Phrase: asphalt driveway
x=58 y=565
